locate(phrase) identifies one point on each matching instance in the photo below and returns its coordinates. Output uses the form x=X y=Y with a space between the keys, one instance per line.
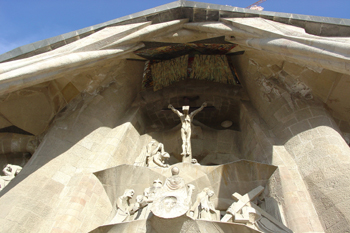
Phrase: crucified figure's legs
x=186 y=145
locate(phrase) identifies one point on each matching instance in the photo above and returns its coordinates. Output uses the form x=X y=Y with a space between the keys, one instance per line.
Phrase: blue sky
x=26 y=21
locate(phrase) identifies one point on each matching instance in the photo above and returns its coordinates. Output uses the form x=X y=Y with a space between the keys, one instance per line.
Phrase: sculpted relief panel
x=197 y=199
x=145 y=191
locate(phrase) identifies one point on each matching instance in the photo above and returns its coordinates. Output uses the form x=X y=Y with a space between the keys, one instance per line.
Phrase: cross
x=245 y=200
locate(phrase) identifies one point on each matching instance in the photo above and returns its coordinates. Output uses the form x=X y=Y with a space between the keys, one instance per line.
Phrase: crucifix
x=186 y=122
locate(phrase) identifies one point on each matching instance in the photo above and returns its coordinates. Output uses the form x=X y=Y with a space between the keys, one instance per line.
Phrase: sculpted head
x=152 y=142
x=194 y=161
x=185 y=109
x=166 y=155
x=209 y=192
x=146 y=192
x=175 y=171
x=139 y=198
x=12 y=170
x=191 y=187
x=129 y=193
x=8 y=170
x=169 y=203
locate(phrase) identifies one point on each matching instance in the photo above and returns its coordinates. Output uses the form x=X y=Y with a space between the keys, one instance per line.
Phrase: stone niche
x=211 y=142
x=219 y=151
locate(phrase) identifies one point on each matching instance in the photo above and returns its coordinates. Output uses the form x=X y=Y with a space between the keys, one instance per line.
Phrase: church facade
x=188 y=117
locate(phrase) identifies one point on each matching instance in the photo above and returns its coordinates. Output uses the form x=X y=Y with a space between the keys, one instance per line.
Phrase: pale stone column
x=323 y=159
x=290 y=187
x=286 y=186
x=314 y=141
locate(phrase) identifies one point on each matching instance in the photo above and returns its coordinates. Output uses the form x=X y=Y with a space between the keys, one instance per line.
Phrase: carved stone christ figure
x=186 y=122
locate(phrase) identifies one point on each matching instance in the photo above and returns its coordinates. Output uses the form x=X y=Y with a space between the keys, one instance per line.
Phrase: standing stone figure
x=186 y=121
x=10 y=172
x=143 y=208
x=139 y=205
x=123 y=206
x=148 y=197
x=203 y=208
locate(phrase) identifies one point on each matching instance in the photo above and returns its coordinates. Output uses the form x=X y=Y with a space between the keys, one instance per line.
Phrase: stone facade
x=270 y=149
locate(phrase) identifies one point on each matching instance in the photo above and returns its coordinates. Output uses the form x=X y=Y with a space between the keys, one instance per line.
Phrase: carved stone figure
x=158 y=157
x=142 y=205
x=145 y=205
x=190 y=189
x=153 y=156
x=175 y=182
x=186 y=122
x=203 y=208
x=195 y=162
x=136 y=211
x=156 y=186
x=10 y=171
x=246 y=212
x=124 y=209
x=173 y=199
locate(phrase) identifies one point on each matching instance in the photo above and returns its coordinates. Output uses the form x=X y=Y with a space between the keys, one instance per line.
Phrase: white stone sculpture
x=244 y=211
x=195 y=162
x=203 y=208
x=174 y=198
x=186 y=122
x=144 y=206
x=124 y=209
x=156 y=186
x=136 y=211
x=157 y=156
x=154 y=156
x=10 y=172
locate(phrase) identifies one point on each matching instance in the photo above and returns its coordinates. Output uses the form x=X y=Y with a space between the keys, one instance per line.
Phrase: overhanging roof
x=195 y=12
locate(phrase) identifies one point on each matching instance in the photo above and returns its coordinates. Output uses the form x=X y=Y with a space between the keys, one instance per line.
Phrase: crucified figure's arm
x=174 y=110
x=198 y=110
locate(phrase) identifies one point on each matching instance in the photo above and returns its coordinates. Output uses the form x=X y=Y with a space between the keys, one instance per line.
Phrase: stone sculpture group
x=173 y=198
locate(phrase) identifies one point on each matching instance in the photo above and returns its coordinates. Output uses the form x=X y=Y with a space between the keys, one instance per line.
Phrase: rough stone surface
x=73 y=113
